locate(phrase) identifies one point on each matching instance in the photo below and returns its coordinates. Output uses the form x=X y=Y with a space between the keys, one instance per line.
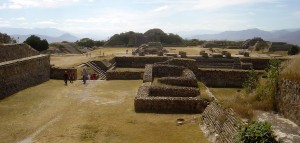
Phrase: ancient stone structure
x=150 y=48
x=145 y=102
x=181 y=97
x=124 y=75
x=280 y=46
x=258 y=63
x=215 y=72
x=251 y=42
x=221 y=123
x=182 y=54
x=21 y=67
x=223 y=78
x=137 y=62
x=10 y=52
x=288 y=100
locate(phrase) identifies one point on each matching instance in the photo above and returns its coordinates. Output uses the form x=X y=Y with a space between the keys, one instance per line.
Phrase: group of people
x=85 y=76
x=69 y=76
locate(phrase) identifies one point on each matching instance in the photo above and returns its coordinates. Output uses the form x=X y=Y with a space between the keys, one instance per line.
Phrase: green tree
x=267 y=89
x=36 y=43
x=4 y=38
x=85 y=42
x=293 y=50
x=251 y=81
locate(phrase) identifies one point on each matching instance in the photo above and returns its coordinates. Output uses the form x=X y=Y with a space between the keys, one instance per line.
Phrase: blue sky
x=114 y=16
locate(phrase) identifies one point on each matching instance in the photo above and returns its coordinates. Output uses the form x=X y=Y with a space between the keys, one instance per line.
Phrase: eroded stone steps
x=98 y=70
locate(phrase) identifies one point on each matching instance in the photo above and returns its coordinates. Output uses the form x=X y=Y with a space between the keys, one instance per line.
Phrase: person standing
x=72 y=76
x=66 y=77
x=84 y=74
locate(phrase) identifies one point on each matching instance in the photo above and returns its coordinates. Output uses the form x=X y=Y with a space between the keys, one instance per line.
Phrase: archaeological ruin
x=170 y=80
x=21 y=67
x=154 y=48
x=169 y=88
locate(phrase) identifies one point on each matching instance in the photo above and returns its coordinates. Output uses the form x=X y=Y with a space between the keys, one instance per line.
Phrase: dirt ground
x=101 y=111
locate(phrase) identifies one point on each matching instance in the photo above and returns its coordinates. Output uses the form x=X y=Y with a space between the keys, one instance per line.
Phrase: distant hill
x=63 y=37
x=50 y=34
x=131 y=38
x=289 y=36
x=63 y=48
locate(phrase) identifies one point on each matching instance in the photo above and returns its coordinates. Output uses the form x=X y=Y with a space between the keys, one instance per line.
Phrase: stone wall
x=57 y=72
x=280 y=46
x=288 y=100
x=220 y=124
x=187 y=78
x=214 y=62
x=174 y=91
x=137 y=62
x=222 y=77
x=20 y=74
x=179 y=81
x=164 y=70
x=188 y=63
x=163 y=104
x=124 y=75
x=257 y=63
x=16 y=51
x=148 y=77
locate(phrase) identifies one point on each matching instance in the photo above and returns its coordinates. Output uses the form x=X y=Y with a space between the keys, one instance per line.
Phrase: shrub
x=293 y=50
x=291 y=69
x=251 y=81
x=36 y=43
x=256 y=132
x=4 y=38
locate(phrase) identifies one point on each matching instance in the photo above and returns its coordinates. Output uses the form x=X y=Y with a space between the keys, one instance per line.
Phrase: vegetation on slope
x=291 y=69
x=4 y=38
x=133 y=39
x=36 y=43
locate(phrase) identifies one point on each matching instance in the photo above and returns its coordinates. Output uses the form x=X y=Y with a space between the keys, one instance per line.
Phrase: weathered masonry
x=21 y=67
x=288 y=100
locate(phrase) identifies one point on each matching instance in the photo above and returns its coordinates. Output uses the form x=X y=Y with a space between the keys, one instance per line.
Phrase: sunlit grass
x=291 y=69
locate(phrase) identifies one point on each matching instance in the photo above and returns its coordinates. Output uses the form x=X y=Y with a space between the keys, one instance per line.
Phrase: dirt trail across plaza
x=100 y=111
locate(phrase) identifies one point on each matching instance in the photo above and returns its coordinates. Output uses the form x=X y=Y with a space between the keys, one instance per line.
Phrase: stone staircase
x=97 y=69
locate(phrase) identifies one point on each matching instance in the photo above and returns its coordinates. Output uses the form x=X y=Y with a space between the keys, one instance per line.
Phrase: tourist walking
x=72 y=76
x=66 y=77
x=84 y=74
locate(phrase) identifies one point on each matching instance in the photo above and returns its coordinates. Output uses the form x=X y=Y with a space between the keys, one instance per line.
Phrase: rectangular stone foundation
x=143 y=102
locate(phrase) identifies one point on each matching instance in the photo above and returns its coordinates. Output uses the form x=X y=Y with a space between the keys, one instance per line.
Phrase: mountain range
x=291 y=36
x=50 y=34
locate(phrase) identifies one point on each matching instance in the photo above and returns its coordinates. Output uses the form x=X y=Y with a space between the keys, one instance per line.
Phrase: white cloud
x=17 y=4
x=46 y=23
x=203 y=4
x=297 y=14
x=162 y=8
x=4 y=23
x=19 y=18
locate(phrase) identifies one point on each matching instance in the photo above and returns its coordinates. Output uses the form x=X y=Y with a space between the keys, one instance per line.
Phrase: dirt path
x=101 y=111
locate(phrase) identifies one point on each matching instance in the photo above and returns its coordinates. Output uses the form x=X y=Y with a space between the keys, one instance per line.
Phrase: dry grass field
x=101 y=111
